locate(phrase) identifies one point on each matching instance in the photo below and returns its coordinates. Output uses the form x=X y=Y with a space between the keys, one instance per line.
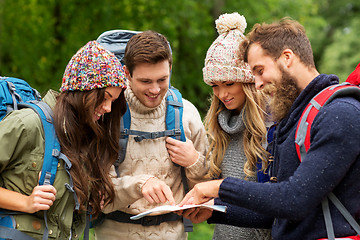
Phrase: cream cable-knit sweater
x=149 y=158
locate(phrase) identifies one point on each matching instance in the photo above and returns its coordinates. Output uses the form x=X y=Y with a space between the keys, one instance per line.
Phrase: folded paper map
x=168 y=208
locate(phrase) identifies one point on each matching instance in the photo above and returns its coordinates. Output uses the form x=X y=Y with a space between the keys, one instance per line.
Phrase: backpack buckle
x=177 y=132
x=154 y=135
x=150 y=221
x=273 y=179
x=124 y=132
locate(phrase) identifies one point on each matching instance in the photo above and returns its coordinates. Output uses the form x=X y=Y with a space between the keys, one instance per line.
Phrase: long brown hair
x=253 y=137
x=92 y=147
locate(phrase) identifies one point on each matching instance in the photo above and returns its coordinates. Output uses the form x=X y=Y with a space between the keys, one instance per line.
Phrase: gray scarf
x=234 y=159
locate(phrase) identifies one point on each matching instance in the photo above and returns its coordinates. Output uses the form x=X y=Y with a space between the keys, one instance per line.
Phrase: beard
x=282 y=95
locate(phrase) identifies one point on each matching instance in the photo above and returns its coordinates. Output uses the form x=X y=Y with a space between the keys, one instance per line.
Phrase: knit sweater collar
x=231 y=124
x=139 y=109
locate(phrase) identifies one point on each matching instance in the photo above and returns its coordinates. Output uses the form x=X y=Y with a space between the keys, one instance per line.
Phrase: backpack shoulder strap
x=174 y=125
x=124 y=137
x=302 y=134
x=52 y=152
x=52 y=146
x=174 y=113
x=174 y=116
x=302 y=143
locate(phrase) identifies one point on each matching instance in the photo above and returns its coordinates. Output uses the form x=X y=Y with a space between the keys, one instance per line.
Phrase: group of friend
x=260 y=82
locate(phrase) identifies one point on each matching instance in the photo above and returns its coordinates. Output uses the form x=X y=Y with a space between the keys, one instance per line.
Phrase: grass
x=202 y=231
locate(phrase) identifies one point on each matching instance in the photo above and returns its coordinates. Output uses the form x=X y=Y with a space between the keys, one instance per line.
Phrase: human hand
x=202 y=192
x=102 y=201
x=198 y=215
x=156 y=191
x=182 y=153
x=41 y=198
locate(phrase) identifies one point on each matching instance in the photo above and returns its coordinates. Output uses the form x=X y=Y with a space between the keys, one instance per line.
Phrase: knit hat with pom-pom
x=223 y=61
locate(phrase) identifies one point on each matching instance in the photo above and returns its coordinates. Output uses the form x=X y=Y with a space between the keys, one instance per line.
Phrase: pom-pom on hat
x=223 y=61
x=354 y=77
x=93 y=67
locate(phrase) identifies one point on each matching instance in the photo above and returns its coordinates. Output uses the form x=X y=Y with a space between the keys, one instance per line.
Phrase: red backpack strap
x=302 y=134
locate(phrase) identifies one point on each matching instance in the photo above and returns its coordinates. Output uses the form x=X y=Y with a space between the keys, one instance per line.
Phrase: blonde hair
x=253 y=137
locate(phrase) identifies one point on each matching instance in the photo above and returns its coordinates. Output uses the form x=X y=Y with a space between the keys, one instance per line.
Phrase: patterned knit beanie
x=93 y=67
x=222 y=62
x=354 y=77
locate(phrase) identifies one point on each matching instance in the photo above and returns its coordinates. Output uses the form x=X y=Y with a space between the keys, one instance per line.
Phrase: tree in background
x=38 y=37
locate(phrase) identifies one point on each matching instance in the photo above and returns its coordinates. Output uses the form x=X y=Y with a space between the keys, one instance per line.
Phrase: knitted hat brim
x=214 y=73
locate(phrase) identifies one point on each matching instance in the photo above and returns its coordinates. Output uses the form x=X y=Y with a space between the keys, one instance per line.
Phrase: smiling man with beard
x=281 y=59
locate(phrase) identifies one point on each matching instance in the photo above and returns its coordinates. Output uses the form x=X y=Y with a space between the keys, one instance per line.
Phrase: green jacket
x=21 y=158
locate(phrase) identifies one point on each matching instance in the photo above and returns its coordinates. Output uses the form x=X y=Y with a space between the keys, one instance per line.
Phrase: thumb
x=188 y=199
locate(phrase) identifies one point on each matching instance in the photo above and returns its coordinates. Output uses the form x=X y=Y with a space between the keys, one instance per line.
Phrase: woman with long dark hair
x=86 y=118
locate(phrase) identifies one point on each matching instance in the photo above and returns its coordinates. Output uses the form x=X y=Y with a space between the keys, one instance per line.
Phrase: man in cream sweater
x=150 y=174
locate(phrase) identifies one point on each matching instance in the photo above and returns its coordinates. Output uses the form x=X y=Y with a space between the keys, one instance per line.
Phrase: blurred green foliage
x=38 y=37
x=202 y=231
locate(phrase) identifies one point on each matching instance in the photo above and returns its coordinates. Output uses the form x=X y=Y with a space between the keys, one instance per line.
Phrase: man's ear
x=127 y=73
x=287 y=57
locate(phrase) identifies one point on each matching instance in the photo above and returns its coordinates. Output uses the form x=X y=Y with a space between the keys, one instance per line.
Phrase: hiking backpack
x=302 y=144
x=16 y=94
x=115 y=41
x=14 y=91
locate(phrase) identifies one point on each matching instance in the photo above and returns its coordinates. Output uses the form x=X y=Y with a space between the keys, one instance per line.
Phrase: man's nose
x=259 y=84
x=155 y=88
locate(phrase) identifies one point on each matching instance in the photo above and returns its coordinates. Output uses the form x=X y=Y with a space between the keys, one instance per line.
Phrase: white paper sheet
x=168 y=208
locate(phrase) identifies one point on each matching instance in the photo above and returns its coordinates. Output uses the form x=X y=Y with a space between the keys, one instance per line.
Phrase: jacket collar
x=315 y=86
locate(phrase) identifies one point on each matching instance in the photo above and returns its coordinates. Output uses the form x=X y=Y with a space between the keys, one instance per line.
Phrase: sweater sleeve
x=10 y=133
x=129 y=186
x=240 y=217
x=17 y=136
x=335 y=137
x=21 y=151
x=195 y=131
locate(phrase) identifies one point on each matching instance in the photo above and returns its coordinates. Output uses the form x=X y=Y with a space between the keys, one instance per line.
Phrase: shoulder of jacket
x=26 y=117
x=346 y=103
x=190 y=110
x=189 y=106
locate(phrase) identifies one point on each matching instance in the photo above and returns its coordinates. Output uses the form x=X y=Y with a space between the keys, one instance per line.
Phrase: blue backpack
x=173 y=121
x=14 y=91
x=16 y=94
x=115 y=41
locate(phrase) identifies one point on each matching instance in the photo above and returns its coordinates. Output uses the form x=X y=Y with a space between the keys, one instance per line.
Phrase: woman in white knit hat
x=235 y=121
